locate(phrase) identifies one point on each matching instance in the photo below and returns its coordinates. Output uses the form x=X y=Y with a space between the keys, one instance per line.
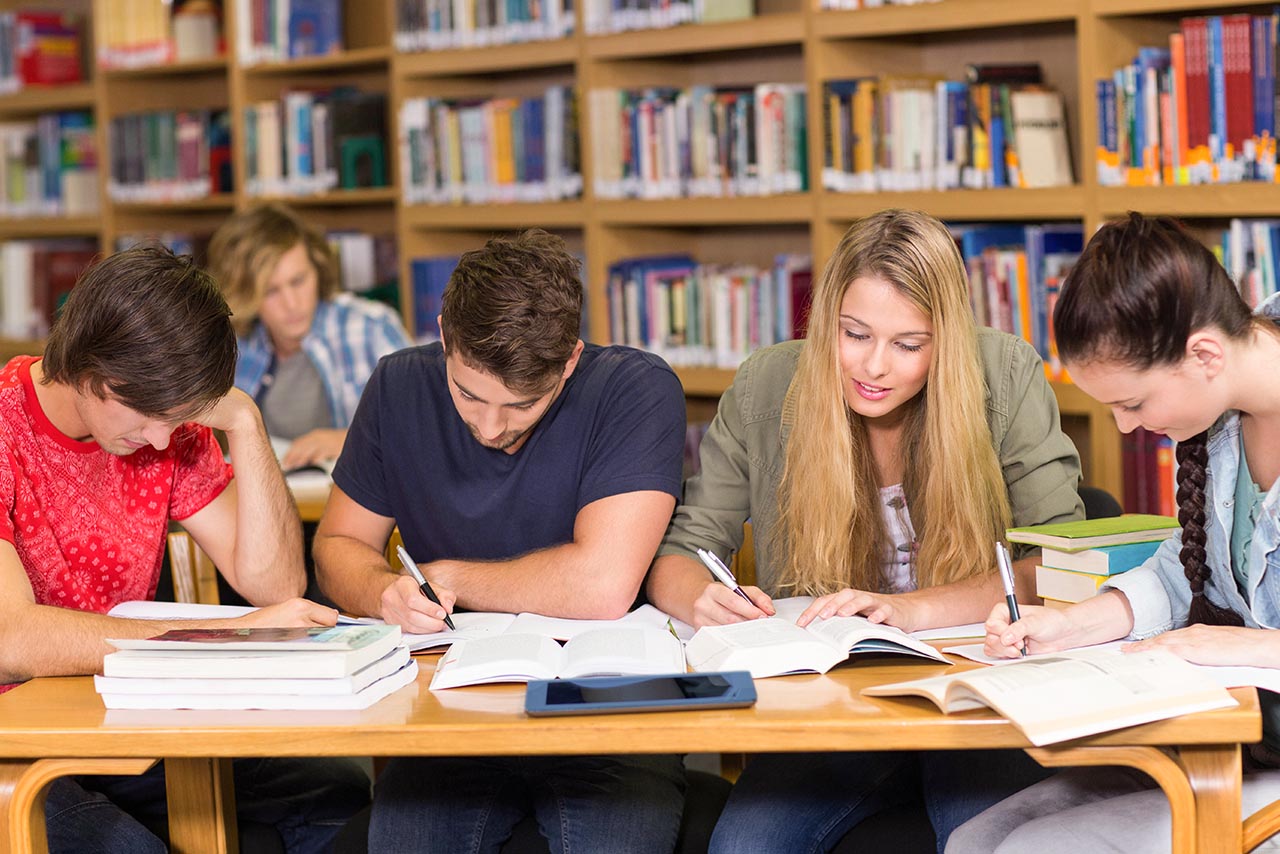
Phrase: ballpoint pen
x=723 y=575
x=1005 y=564
x=422 y=582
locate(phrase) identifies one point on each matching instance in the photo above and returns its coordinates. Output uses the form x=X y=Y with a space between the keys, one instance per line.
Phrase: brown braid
x=1193 y=461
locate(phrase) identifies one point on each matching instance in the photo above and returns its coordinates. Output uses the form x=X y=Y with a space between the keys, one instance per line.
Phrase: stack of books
x=1078 y=557
x=343 y=667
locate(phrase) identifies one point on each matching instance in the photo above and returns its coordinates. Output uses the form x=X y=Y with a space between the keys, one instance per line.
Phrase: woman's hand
x=888 y=608
x=1217 y=645
x=316 y=446
x=718 y=604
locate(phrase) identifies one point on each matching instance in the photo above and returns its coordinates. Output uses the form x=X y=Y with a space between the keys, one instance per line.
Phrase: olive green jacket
x=743 y=452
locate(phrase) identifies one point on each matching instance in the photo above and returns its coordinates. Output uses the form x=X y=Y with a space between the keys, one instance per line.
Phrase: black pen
x=1005 y=563
x=422 y=583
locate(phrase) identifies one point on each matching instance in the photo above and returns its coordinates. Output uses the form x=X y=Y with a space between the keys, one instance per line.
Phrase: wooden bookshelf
x=1076 y=41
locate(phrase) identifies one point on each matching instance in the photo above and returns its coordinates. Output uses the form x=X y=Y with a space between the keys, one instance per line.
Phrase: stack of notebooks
x=342 y=667
x=1078 y=557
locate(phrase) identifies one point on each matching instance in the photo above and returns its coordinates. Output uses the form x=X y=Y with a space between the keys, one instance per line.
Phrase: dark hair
x=1139 y=291
x=513 y=309
x=149 y=327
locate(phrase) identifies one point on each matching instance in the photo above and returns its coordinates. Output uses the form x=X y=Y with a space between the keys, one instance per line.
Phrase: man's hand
x=317 y=446
x=290 y=613
x=235 y=410
x=405 y=605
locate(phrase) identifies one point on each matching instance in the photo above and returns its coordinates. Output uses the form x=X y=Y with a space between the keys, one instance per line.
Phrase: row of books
x=50 y=166
x=276 y=30
x=1150 y=472
x=139 y=33
x=869 y=4
x=1000 y=128
x=445 y=24
x=1201 y=111
x=707 y=314
x=496 y=150
x=1250 y=250
x=617 y=16
x=313 y=141
x=664 y=143
x=35 y=277
x=39 y=47
x=1077 y=558
x=169 y=155
x=1015 y=273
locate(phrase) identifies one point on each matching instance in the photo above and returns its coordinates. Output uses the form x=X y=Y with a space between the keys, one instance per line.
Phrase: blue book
x=1105 y=560
x=1217 y=92
x=315 y=27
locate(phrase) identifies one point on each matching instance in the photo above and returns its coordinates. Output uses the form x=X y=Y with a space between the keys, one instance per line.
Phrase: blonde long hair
x=832 y=530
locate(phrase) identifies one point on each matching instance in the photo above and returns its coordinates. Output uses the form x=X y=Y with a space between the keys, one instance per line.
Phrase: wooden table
x=50 y=718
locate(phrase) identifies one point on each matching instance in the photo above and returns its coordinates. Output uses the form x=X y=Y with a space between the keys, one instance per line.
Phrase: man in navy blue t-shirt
x=526 y=472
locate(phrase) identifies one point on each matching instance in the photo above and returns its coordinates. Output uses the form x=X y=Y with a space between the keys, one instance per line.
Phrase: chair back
x=195 y=579
x=744 y=560
x=394 y=540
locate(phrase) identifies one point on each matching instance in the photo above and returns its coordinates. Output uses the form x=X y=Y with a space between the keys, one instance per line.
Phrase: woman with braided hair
x=1150 y=324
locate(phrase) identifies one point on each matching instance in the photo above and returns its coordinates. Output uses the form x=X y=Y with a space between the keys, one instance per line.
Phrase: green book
x=1092 y=533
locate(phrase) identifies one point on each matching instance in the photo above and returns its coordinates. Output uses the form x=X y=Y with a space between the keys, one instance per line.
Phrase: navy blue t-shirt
x=616 y=427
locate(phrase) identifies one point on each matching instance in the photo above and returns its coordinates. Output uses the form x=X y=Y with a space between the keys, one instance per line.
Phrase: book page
x=138 y=609
x=767 y=647
x=623 y=652
x=1069 y=695
x=564 y=629
x=854 y=635
x=470 y=625
x=499 y=658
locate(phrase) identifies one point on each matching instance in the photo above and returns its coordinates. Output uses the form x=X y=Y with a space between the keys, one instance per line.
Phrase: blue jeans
x=306 y=800
x=807 y=802
x=583 y=804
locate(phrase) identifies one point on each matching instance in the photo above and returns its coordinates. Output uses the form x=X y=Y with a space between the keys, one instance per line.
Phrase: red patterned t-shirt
x=88 y=526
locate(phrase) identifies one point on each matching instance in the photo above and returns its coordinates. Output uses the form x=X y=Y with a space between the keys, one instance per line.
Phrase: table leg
x=1214 y=773
x=23 y=786
x=202 y=806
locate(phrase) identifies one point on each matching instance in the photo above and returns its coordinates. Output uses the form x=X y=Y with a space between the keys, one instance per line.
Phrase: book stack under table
x=1077 y=558
x=340 y=667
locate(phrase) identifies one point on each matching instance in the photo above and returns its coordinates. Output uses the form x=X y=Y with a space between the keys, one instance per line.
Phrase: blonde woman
x=879 y=461
x=306 y=349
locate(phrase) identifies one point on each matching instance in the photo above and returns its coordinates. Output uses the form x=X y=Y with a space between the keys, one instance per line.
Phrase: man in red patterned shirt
x=102 y=443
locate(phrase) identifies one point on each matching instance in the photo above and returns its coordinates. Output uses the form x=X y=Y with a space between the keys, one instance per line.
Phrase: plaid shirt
x=348 y=336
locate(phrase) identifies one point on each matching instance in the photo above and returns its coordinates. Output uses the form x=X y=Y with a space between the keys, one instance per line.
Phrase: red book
x=1195 y=34
x=801 y=292
x=1237 y=65
x=1130 y=451
x=55 y=271
x=48 y=48
x=1164 y=476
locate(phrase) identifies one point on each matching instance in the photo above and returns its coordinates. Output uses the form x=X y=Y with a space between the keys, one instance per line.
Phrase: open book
x=775 y=646
x=616 y=651
x=1053 y=698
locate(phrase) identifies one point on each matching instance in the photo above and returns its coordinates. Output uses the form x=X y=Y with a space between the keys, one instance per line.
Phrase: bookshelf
x=789 y=41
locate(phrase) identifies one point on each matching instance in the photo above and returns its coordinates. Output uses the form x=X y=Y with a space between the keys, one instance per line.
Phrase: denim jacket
x=744 y=452
x=348 y=336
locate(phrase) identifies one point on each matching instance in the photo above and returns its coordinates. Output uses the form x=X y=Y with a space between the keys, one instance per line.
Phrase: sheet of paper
x=970 y=630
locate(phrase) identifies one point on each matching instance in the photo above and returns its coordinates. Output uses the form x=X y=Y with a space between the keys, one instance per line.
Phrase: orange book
x=1182 y=148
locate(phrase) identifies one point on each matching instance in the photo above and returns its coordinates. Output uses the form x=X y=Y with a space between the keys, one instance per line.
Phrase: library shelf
x=188 y=68
x=762 y=31
x=1255 y=198
x=513 y=216
x=1054 y=203
x=217 y=201
x=944 y=16
x=31 y=100
x=364 y=57
x=15 y=228
x=496 y=59
x=10 y=347
x=1120 y=8
x=793 y=208
x=334 y=198
x=704 y=381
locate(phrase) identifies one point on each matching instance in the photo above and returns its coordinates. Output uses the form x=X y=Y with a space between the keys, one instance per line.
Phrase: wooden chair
x=195 y=578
